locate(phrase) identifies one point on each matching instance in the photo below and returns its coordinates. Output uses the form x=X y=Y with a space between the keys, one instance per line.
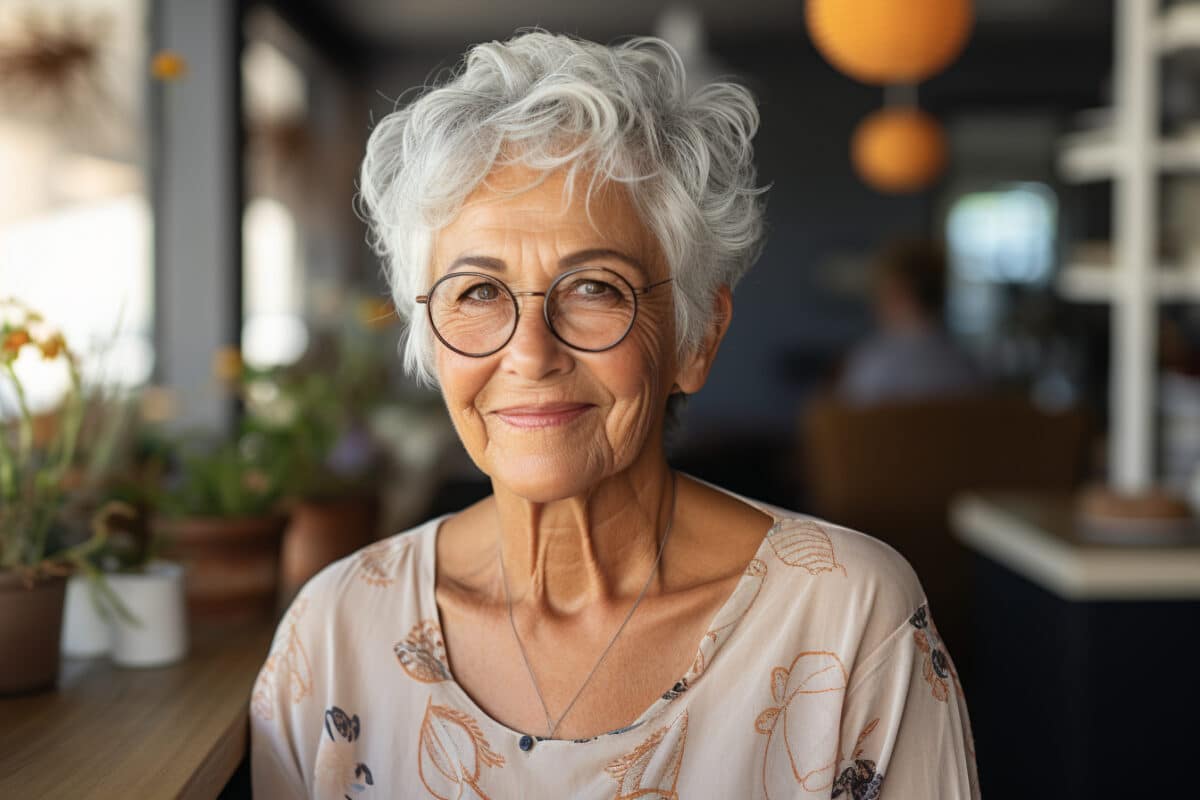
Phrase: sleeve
x=905 y=727
x=281 y=708
x=270 y=777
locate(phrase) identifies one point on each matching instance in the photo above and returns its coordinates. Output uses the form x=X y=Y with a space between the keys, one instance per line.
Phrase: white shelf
x=1179 y=28
x=1092 y=156
x=1088 y=156
x=1096 y=283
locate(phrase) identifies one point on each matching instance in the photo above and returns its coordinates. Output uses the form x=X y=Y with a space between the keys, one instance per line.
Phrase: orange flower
x=168 y=65
x=227 y=364
x=52 y=347
x=13 y=343
x=157 y=404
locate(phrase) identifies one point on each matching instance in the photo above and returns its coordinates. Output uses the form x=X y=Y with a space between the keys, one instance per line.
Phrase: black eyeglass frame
x=635 y=292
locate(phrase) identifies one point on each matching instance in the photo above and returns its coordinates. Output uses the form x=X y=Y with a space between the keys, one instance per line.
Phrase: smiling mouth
x=542 y=416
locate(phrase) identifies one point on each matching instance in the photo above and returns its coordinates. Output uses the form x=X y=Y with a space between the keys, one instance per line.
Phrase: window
x=75 y=223
x=1002 y=236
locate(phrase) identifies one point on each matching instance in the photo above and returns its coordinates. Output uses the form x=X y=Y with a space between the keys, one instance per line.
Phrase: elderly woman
x=563 y=225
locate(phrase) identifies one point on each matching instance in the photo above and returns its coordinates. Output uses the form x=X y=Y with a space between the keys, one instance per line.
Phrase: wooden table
x=177 y=731
x=1084 y=654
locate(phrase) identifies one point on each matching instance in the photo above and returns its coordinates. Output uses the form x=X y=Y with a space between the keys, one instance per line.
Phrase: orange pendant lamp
x=889 y=41
x=898 y=150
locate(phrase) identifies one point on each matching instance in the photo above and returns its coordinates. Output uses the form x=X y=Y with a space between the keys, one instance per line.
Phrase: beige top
x=821 y=676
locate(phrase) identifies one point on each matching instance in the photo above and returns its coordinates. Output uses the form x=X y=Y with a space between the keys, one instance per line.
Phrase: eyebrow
x=566 y=262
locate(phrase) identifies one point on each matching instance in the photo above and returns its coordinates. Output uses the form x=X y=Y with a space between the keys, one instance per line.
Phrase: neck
x=563 y=556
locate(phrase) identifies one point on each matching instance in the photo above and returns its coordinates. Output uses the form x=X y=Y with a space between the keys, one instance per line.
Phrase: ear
x=694 y=368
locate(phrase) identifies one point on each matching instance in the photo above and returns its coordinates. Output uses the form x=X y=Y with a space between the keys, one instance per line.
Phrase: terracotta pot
x=321 y=532
x=30 y=627
x=232 y=564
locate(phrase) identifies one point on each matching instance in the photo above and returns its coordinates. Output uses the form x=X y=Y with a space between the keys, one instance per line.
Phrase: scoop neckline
x=660 y=704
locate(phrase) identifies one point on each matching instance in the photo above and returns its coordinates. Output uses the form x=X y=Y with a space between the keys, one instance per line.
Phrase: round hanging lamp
x=899 y=150
x=889 y=41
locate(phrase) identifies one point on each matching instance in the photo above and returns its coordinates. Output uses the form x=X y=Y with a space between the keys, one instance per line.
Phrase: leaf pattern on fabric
x=422 y=654
x=807 y=545
x=651 y=770
x=453 y=753
x=802 y=744
x=728 y=618
x=376 y=563
x=287 y=669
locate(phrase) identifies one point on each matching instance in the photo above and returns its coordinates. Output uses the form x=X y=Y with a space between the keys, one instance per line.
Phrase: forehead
x=516 y=207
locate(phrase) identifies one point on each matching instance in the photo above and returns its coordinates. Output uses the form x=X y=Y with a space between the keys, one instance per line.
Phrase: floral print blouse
x=821 y=676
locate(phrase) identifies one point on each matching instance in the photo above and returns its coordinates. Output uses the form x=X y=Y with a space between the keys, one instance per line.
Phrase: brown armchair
x=891 y=471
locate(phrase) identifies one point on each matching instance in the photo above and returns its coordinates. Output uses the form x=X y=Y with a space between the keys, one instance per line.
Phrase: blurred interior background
x=974 y=334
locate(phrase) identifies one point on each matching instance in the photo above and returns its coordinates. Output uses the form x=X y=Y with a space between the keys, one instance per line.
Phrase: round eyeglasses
x=590 y=309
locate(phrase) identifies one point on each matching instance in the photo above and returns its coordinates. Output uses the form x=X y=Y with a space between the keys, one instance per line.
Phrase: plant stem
x=8 y=467
x=73 y=421
x=25 y=442
x=10 y=523
x=50 y=483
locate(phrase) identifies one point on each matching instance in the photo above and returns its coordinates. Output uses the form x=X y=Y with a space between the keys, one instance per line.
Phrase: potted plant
x=218 y=509
x=36 y=456
x=106 y=470
x=147 y=618
x=136 y=614
x=321 y=407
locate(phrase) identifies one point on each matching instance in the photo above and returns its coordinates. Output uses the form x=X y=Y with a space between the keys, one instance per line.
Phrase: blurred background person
x=910 y=356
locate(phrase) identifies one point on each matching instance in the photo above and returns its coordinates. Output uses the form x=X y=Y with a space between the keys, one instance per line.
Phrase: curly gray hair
x=547 y=101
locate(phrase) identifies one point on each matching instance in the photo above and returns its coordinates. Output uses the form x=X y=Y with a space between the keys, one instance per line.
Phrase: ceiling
x=417 y=22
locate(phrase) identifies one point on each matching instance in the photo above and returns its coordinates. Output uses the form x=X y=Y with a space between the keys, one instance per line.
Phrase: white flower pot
x=85 y=632
x=156 y=598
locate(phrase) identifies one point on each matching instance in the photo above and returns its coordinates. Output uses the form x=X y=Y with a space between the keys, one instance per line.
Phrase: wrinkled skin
x=579 y=508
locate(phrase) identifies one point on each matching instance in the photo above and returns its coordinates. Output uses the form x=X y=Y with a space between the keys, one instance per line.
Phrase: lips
x=544 y=415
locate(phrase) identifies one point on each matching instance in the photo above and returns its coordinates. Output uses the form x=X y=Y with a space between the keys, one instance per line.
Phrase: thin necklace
x=551 y=725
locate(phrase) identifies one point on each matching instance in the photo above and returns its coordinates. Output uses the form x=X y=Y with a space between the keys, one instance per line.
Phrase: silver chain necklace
x=551 y=725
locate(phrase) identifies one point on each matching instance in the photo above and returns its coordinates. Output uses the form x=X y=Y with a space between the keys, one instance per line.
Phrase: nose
x=534 y=352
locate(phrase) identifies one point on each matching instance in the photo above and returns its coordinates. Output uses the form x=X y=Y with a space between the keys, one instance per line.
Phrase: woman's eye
x=592 y=288
x=482 y=291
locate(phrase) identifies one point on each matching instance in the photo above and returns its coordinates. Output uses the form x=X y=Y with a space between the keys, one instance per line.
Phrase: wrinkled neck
x=564 y=556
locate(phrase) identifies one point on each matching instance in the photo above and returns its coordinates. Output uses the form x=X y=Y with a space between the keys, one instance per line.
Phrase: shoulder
x=384 y=572
x=866 y=569
x=332 y=648
x=812 y=547
x=844 y=583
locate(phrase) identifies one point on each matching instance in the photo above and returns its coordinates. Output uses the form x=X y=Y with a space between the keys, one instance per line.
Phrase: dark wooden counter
x=1083 y=684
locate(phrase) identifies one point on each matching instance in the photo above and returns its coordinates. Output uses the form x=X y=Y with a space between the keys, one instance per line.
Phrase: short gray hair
x=548 y=101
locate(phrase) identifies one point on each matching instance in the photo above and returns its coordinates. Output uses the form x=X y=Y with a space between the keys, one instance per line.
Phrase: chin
x=547 y=478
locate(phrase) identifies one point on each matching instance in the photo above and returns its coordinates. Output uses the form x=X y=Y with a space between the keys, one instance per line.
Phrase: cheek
x=638 y=376
x=461 y=380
